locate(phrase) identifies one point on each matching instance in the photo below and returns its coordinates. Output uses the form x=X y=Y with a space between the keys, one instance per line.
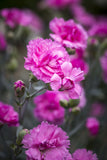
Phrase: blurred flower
x=19 y=87
x=69 y=82
x=44 y=58
x=47 y=142
x=92 y=125
x=8 y=115
x=48 y=107
x=97 y=109
x=27 y=18
x=103 y=61
x=82 y=16
x=99 y=29
x=68 y=33
x=83 y=154
x=59 y=4
x=3 y=42
x=79 y=63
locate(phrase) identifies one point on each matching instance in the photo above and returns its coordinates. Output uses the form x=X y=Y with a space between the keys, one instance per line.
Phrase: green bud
x=21 y=134
x=76 y=110
x=73 y=103
x=64 y=103
x=32 y=77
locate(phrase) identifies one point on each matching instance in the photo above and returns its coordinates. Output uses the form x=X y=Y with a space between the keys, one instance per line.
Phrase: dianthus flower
x=69 y=83
x=92 y=125
x=99 y=29
x=59 y=4
x=48 y=107
x=103 y=61
x=8 y=115
x=44 y=58
x=47 y=142
x=15 y=17
x=68 y=33
x=3 y=42
x=83 y=154
x=79 y=63
x=82 y=16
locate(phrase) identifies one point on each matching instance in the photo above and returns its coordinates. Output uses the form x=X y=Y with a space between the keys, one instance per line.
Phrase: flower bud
x=73 y=103
x=32 y=77
x=19 y=87
x=64 y=103
x=21 y=134
x=76 y=110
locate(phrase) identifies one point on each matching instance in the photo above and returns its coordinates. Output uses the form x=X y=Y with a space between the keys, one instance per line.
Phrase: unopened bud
x=19 y=87
x=76 y=110
x=73 y=103
x=64 y=103
x=21 y=134
x=32 y=77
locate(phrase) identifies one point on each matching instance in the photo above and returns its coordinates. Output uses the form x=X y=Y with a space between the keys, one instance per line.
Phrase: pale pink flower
x=83 y=101
x=8 y=115
x=79 y=63
x=59 y=4
x=68 y=33
x=92 y=125
x=82 y=16
x=103 y=61
x=27 y=18
x=70 y=82
x=47 y=142
x=3 y=42
x=44 y=58
x=48 y=107
x=83 y=154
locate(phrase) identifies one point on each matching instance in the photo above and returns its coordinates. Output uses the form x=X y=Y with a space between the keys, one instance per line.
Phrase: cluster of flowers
x=14 y=17
x=48 y=141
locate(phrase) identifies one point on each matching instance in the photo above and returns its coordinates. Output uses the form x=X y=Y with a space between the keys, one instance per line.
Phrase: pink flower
x=82 y=97
x=48 y=107
x=68 y=33
x=27 y=18
x=47 y=142
x=103 y=61
x=82 y=16
x=44 y=58
x=59 y=4
x=79 y=63
x=99 y=29
x=92 y=125
x=3 y=42
x=69 y=82
x=19 y=84
x=8 y=115
x=83 y=154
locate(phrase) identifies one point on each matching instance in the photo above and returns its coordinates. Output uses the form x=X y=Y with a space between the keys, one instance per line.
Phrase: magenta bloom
x=47 y=142
x=70 y=82
x=19 y=84
x=48 y=107
x=79 y=63
x=99 y=29
x=8 y=115
x=68 y=33
x=27 y=18
x=44 y=58
x=103 y=61
x=82 y=16
x=3 y=42
x=83 y=154
x=59 y=4
x=92 y=125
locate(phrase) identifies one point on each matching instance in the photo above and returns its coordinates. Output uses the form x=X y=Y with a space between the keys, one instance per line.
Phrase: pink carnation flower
x=92 y=125
x=68 y=33
x=103 y=61
x=59 y=4
x=79 y=63
x=44 y=58
x=82 y=16
x=69 y=82
x=99 y=29
x=27 y=18
x=8 y=115
x=83 y=154
x=48 y=107
x=3 y=42
x=47 y=142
